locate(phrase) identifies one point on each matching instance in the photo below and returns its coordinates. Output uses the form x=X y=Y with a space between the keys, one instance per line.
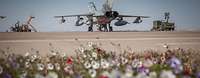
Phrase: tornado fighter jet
x=103 y=21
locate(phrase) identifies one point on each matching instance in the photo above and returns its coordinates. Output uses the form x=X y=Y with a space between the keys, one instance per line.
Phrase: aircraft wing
x=133 y=16
x=74 y=15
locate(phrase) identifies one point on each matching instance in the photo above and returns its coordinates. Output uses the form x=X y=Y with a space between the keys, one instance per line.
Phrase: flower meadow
x=93 y=61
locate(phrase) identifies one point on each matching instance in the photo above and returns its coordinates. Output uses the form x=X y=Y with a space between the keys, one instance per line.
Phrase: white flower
x=57 y=66
x=39 y=76
x=47 y=59
x=115 y=63
x=53 y=53
x=147 y=63
x=40 y=66
x=1 y=70
x=68 y=69
x=165 y=46
x=27 y=54
x=90 y=44
x=92 y=73
x=136 y=63
x=94 y=54
x=52 y=75
x=124 y=60
x=152 y=75
x=81 y=50
x=50 y=66
x=63 y=55
x=87 y=65
x=106 y=73
x=129 y=74
x=167 y=74
x=91 y=58
x=23 y=75
x=155 y=61
x=84 y=55
x=142 y=75
x=39 y=57
x=115 y=74
x=33 y=57
x=104 y=64
x=27 y=64
x=95 y=65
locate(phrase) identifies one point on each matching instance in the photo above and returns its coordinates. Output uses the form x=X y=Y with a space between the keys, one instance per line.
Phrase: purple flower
x=143 y=70
x=7 y=75
x=176 y=64
x=198 y=75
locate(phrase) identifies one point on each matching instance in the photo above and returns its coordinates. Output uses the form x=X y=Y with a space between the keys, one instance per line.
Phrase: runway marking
x=129 y=39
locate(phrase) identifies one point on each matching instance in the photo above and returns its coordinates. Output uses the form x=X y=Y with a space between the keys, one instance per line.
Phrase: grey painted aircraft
x=102 y=21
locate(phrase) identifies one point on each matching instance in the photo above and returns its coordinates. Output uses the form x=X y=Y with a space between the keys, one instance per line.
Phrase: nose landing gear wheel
x=90 y=29
x=110 y=29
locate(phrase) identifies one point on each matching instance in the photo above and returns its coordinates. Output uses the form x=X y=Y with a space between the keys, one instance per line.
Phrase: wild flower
x=1 y=69
x=27 y=54
x=57 y=66
x=50 y=66
x=176 y=64
x=69 y=60
x=92 y=73
x=93 y=61
x=95 y=65
x=104 y=63
x=167 y=74
x=198 y=75
x=40 y=66
x=52 y=75
x=38 y=75
x=68 y=69
x=87 y=65
x=147 y=63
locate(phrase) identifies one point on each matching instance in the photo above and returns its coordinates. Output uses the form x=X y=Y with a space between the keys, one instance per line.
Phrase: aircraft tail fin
x=92 y=7
x=107 y=6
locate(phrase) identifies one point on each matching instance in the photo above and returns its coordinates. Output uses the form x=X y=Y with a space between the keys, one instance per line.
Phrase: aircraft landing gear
x=110 y=28
x=90 y=29
x=105 y=28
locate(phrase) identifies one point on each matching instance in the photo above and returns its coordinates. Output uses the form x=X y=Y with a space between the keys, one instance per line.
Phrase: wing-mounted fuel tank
x=138 y=20
x=79 y=21
x=120 y=22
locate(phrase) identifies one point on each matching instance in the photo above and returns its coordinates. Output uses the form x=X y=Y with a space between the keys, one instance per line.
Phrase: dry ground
x=69 y=41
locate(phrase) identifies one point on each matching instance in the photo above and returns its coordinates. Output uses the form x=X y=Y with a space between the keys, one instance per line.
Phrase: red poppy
x=103 y=76
x=187 y=70
x=69 y=60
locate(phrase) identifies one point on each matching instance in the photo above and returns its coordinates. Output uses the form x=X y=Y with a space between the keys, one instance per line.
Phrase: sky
x=185 y=13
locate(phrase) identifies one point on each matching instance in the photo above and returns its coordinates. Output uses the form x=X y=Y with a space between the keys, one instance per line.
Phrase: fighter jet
x=27 y=27
x=104 y=20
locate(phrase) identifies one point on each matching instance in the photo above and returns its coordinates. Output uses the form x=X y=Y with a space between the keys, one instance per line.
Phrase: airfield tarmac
x=111 y=41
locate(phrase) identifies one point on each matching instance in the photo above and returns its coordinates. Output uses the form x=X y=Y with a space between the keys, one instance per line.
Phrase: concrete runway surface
x=67 y=42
